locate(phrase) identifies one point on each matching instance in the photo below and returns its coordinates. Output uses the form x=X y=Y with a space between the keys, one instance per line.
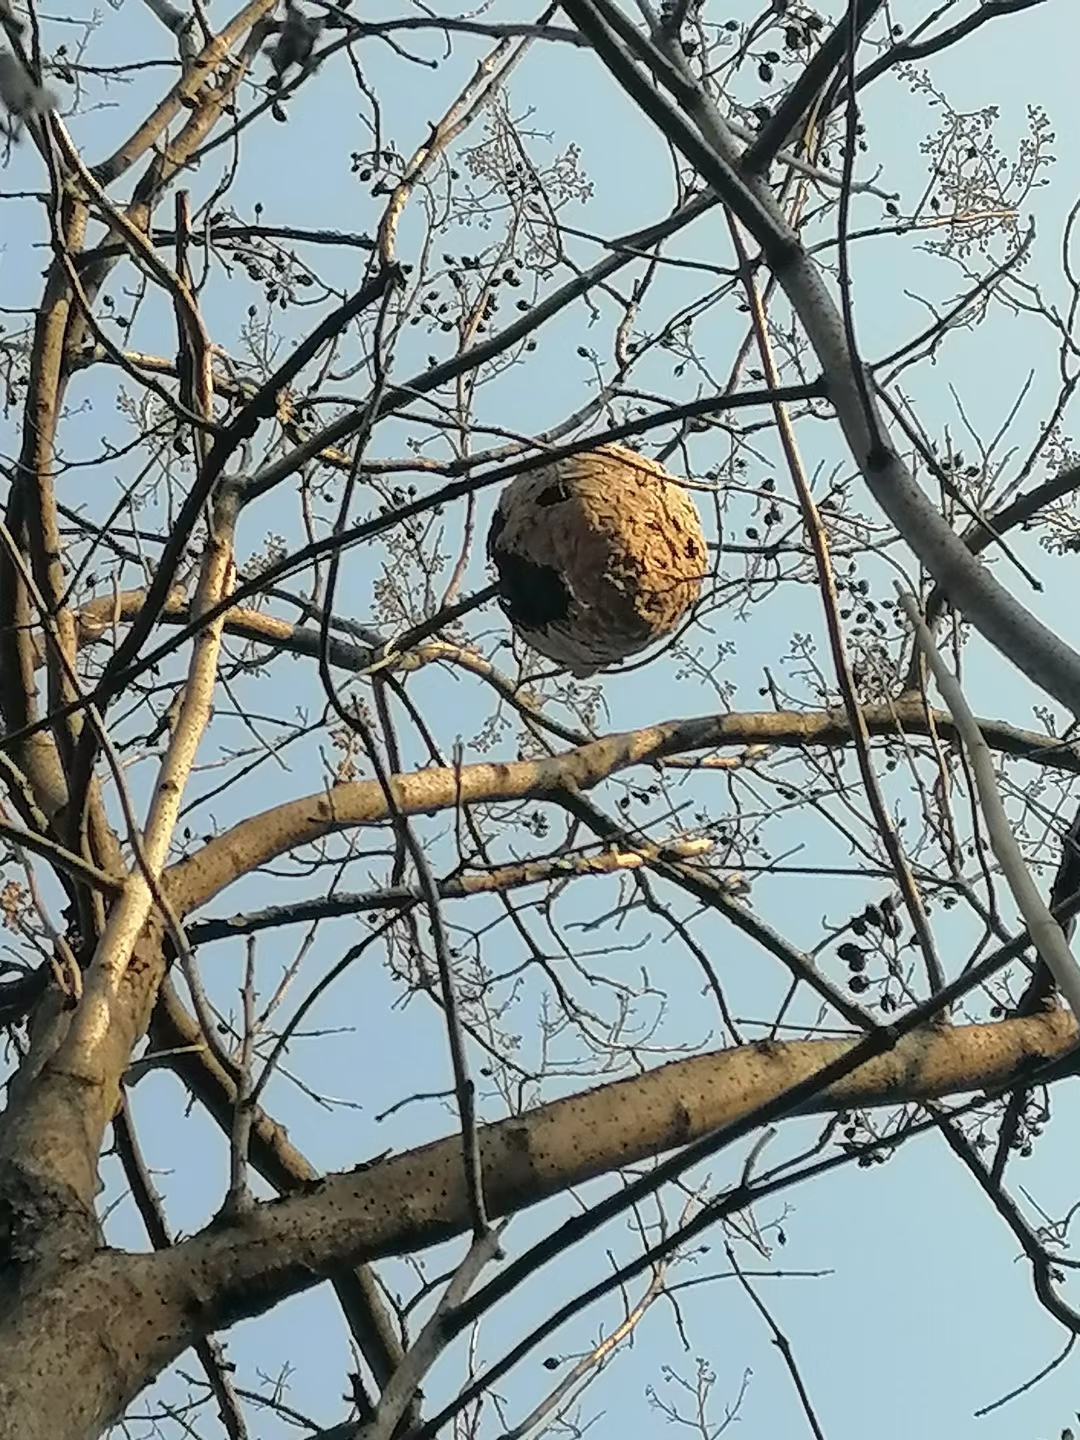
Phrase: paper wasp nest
x=598 y=555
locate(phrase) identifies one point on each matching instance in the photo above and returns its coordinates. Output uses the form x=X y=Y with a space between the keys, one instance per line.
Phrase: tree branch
x=261 y=838
x=697 y=129
x=420 y=1198
x=455 y=887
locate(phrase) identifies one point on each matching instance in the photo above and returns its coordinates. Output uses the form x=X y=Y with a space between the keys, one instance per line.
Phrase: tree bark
x=79 y=1345
x=81 y=1341
x=419 y=1198
x=261 y=838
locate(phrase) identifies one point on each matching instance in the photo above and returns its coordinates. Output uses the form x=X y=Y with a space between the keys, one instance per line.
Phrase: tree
x=250 y=468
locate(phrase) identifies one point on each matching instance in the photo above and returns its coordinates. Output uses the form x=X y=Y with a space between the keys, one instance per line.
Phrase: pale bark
x=131 y=910
x=416 y=1199
x=263 y=837
x=1047 y=936
x=422 y=1196
x=193 y=79
x=96 y=620
x=696 y=127
x=122 y=1319
x=51 y=1132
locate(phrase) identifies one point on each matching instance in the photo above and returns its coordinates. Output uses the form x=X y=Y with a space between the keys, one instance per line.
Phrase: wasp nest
x=597 y=555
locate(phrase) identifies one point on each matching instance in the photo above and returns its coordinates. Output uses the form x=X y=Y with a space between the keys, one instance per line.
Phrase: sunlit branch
x=1046 y=933
x=698 y=131
x=558 y=868
x=255 y=841
x=701 y=1105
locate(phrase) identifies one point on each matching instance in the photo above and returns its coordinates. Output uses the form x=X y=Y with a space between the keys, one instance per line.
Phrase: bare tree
x=298 y=828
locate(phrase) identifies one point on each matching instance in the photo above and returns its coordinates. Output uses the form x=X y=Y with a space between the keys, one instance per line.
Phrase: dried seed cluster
x=598 y=555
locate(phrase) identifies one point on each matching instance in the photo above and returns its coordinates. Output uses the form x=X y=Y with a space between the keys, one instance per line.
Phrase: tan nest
x=598 y=556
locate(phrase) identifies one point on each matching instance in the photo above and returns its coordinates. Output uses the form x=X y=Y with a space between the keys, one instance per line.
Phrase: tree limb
x=697 y=129
x=263 y=837
x=420 y=1198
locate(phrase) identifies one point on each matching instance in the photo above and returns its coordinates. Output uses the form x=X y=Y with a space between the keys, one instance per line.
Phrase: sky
x=917 y=1311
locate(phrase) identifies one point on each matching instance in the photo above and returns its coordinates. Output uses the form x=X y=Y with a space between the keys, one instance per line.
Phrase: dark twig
x=782 y=1343
x=1032 y=1380
x=819 y=544
x=148 y=1203
x=779 y=130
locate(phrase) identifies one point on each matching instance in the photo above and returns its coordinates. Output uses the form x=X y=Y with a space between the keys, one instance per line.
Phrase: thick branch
x=109 y=1324
x=261 y=838
x=122 y=1319
x=697 y=129
x=419 y=1198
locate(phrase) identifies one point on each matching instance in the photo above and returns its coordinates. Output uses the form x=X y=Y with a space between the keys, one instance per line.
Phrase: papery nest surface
x=598 y=556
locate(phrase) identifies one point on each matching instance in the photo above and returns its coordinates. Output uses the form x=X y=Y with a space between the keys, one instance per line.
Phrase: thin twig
x=1031 y=1381
x=1045 y=932
x=398 y=1393
x=782 y=1343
